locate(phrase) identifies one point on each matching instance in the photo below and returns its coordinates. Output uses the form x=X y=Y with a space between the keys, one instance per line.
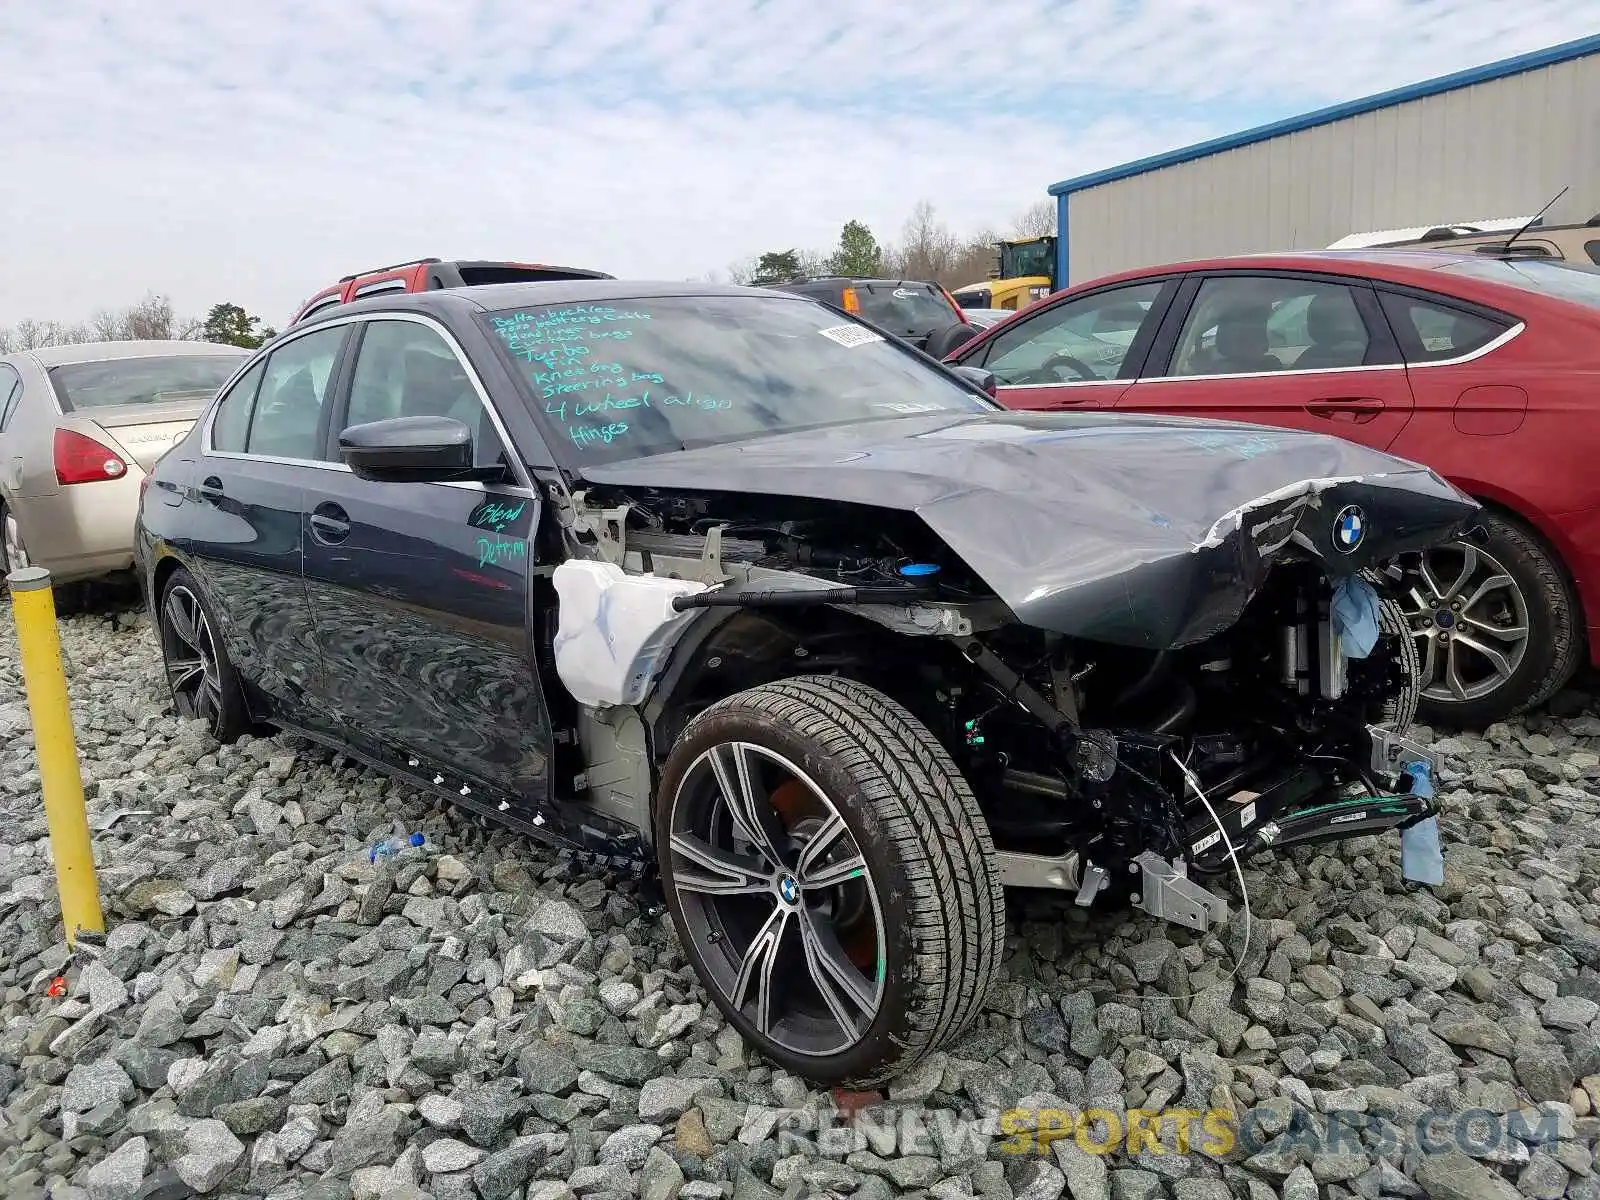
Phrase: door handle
x=211 y=488
x=1352 y=409
x=330 y=524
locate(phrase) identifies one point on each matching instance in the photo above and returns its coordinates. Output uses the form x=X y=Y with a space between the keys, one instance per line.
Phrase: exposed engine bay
x=1117 y=771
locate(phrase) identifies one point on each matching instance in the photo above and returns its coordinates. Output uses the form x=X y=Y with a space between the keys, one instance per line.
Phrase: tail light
x=81 y=459
x=852 y=303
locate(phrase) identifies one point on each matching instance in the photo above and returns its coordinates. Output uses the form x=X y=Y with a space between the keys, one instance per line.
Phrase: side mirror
x=977 y=375
x=409 y=450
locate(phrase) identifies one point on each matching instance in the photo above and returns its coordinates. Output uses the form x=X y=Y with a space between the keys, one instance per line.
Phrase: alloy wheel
x=191 y=657
x=1471 y=622
x=16 y=554
x=778 y=898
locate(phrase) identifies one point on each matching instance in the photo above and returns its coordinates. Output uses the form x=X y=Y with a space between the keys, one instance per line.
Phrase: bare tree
x=151 y=319
x=743 y=271
x=1038 y=221
x=927 y=247
x=108 y=326
x=30 y=334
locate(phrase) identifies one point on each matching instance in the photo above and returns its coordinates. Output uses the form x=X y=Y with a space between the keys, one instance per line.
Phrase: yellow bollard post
x=60 y=778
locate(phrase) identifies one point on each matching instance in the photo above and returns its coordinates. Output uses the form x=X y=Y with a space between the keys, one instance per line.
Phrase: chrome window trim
x=1488 y=347
x=1073 y=383
x=524 y=482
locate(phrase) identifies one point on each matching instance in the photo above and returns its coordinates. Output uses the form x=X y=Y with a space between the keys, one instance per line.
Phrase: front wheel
x=831 y=878
x=1496 y=626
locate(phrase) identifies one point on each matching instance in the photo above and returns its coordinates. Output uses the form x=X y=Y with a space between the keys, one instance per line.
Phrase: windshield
x=906 y=310
x=1566 y=281
x=650 y=376
x=153 y=380
x=1026 y=259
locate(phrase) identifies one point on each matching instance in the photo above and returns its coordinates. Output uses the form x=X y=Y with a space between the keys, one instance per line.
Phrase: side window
x=1592 y=249
x=406 y=369
x=1435 y=332
x=289 y=402
x=10 y=395
x=1086 y=339
x=230 y=428
x=1255 y=323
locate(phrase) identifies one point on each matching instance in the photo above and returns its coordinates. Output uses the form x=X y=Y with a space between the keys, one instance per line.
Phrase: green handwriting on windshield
x=551 y=336
x=597 y=415
x=582 y=376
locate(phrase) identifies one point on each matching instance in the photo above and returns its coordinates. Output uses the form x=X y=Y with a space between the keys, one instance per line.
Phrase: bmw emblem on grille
x=1349 y=529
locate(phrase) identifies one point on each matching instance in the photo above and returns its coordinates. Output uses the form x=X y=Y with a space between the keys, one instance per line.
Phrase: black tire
x=917 y=827
x=218 y=699
x=1548 y=658
x=1399 y=712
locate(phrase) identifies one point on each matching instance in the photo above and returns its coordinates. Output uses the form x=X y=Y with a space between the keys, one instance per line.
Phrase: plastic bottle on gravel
x=388 y=849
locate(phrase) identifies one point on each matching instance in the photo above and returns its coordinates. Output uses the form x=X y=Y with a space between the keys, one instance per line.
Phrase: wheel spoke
x=1429 y=668
x=834 y=873
x=1452 y=671
x=725 y=874
x=186 y=673
x=818 y=848
x=1469 y=567
x=1500 y=663
x=180 y=619
x=1505 y=633
x=752 y=813
x=758 y=968
x=846 y=993
x=1490 y=585
x=1425 y=569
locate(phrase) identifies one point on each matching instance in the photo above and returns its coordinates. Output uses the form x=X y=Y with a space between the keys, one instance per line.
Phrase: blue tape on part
x=1421 y=855
x=1355 y=615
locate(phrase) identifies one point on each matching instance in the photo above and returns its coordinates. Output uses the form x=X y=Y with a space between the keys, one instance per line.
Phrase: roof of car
x=55 y=356
x=488 y=297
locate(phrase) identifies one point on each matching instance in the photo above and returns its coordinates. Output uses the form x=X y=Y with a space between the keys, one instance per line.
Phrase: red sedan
x=1485 y=369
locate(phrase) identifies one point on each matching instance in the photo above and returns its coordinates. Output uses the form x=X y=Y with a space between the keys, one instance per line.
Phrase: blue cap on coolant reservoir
x=919 y=570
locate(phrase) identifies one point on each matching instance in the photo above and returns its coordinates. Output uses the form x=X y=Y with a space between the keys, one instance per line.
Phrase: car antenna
x=1536 y=216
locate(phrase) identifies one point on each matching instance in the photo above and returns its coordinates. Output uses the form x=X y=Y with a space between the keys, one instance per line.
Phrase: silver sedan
x=79 y=427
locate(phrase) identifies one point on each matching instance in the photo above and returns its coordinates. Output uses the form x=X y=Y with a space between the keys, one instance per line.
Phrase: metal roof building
x=1502 y=138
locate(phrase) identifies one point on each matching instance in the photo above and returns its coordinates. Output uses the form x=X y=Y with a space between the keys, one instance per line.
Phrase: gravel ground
x=272 y=1014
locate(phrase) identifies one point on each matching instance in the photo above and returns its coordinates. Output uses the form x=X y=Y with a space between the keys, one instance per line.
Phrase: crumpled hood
x=1137 y=530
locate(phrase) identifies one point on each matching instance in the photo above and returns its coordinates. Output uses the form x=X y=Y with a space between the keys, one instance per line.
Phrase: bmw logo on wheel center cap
x=789 y=890
x=1349 y=529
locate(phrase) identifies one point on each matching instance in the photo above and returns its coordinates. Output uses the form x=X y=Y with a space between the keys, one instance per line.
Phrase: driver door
x=1082 y=351
x=419 y=592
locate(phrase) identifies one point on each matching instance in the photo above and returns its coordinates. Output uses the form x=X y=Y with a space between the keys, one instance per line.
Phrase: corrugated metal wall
x=1502 y=147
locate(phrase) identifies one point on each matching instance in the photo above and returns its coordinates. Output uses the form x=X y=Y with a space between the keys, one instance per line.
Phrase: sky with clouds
x=254 y=153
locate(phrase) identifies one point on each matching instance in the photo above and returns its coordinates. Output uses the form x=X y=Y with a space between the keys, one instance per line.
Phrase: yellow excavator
x=1025 y=272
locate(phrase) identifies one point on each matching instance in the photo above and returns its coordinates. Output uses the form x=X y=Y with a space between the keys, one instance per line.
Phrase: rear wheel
x=13 y=553
x=1495 y=626
x=831 y=878
x=203 y=683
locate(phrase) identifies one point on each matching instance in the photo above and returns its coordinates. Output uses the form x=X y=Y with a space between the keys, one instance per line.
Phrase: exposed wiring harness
x=1233 y=857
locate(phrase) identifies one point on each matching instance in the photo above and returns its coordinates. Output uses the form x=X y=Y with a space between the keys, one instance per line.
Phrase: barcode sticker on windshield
x=850 y=335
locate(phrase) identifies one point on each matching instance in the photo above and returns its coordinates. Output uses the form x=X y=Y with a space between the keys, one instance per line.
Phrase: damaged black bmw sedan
x=719 y=585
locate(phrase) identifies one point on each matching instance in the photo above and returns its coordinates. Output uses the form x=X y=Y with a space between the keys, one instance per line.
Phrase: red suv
x=1486 y=369
x=430 y=274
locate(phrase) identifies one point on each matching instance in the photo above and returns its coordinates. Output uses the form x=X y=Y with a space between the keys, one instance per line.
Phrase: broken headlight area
x=1123 y=775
